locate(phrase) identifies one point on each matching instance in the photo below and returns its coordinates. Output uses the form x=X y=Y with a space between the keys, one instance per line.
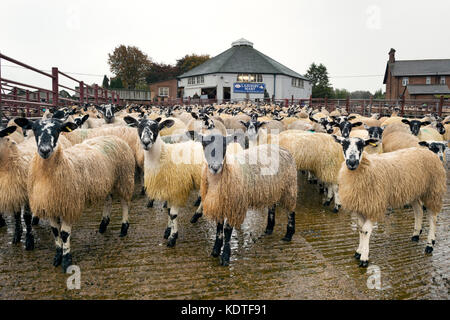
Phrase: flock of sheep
x=236 y=156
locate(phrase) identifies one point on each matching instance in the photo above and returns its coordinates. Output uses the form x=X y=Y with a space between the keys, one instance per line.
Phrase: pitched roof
x=241 y=58
x=428 y=89
x=420 y=67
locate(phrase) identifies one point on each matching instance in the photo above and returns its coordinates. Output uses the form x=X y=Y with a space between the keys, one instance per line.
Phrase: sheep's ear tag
x=373 y=144
x=68 y=129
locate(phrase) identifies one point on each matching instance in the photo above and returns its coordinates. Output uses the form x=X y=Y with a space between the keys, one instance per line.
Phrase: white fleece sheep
x=369 y=184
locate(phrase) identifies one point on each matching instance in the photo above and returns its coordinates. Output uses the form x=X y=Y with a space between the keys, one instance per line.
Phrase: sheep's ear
x=260 y=124
x=166 y=124
x=68 y=127
x=7 y=131
x=425 y=123
x=132 y=122
x=23 y=123
x=370 y=141
x=312 y=119
x=158 y=119
x=405 y=121
x=447 y=122
x=337 y=138
x=424 y=144
x=245 y=124
x=83 y=120
x=194 y=115
x=351 y=118
x=356 y=124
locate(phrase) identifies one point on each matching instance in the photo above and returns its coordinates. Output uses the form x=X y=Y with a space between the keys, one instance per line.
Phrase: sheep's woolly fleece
x=172 y=179
x=393 y=180
x=398 y=136
x=315 y=152
x=240 y=185
x=62 y=185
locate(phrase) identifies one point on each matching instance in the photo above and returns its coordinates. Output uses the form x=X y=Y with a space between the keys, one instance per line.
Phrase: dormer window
x=442 y=80
x=428 y=80
x=405 y=81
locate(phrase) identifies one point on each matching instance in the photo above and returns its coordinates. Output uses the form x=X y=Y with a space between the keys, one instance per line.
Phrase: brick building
x=164 y=90
x=416 y=79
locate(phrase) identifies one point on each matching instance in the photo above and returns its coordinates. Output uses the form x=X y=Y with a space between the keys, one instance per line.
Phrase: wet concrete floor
x=317 y=264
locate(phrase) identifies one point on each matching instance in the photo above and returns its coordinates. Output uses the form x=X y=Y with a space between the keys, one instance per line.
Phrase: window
x=163 y=91
x=191 y=80
x=200 y=79
x=442 y=80
x=405 y=81
x=296 y=82
x=428 y=80
x=253 y=77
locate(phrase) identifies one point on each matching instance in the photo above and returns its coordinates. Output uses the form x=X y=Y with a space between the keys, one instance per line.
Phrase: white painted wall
x=284 y=88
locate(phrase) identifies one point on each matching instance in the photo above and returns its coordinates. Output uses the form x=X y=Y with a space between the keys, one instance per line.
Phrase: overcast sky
x=352 y=38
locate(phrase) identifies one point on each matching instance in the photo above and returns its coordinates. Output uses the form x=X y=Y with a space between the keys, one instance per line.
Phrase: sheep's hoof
x=103 y=225
x=357 y=255
x=167 y=233
x=268 y=231
x=58 y=257
x=35 y=221
x=143 y=191
x=428 y=249
x=29 y=242
x=172 y=240
x=288 y=236
x=216 y=251
x=424 y=208
x=124 y=229
x=165 y=204
x=2 y=222
x=66 y=261
x=415 y=238
x=336 y=209
x=150 y=204
x=364 y=264
x=327 y=203
x=196 y=216
x=197 y=203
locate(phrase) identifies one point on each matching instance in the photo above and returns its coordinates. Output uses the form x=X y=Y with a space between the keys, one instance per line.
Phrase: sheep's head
x=326 y=126
x=439 y=127
x=438 y=147
x=414 y=125
x=214 y=148
x=353 y=149
x=148 y=130
x=5 y=143
x=46 y=132
x=252 y=127
x=81 y=120
x=374 y=132
x=108 y=112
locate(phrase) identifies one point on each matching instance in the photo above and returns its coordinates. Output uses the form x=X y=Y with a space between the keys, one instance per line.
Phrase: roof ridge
x=420 y=60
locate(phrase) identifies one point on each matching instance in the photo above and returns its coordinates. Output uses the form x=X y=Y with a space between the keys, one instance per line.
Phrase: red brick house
x=417 y=79
x=164 y=90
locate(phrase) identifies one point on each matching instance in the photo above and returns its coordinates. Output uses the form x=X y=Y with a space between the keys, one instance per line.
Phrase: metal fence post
x=403 y=105
x=81 y=92
x=55 y=86
x=96 y=94
x=347 y=104
x=441 y=105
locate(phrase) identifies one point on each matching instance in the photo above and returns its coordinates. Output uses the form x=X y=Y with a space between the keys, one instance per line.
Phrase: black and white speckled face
x=46 y=132
x=214 y=148
x=414 y=125
x=353 y=149
x=438 y=147
x=148 y=130
x=108 y=112
x=346 y=127
x=374 y=132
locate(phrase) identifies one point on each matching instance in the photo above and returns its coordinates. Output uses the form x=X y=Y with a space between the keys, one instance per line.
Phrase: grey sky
x=352 y=38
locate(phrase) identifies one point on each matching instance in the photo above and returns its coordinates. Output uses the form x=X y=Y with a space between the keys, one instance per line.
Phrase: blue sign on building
x=244 y=87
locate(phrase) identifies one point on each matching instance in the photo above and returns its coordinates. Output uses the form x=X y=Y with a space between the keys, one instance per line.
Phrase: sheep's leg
x=270 y=220
x=366 y=231
x=329 y=197
x=56 y=230
x=219 y=240
x=29 y=238
x=323 y=188
x=150 y=203
x=125 y=223
x=337 y=199
x=290 y=227
x=2 y=221
x=165 y=204
x=311 y=178
x=18 y=227
x=35 y=219
x=174 y=228
x=360 y=220
x=226 y=252
x=169 y=225
x=65 y=237
x=143 y=191
x=418 y=217
x=432 y=218
x=198 y=213
x=106 y=214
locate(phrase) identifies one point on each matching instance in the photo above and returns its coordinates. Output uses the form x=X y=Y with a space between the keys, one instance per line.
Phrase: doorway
x=226 y=93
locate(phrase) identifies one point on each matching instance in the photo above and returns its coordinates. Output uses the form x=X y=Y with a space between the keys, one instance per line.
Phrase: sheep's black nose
x=352 y=164
x=45 y=151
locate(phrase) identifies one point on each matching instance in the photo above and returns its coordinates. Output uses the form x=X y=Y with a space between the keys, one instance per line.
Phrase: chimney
x=392 y=55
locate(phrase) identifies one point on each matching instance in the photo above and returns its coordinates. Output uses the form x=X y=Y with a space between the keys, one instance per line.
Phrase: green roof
x=241 y=58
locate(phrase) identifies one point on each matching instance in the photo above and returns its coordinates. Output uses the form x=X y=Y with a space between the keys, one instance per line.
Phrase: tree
x=129 y=64
x=341 y=93
x=116 y=83
x=360 y=94
x=160 y=72
x=105 y=83
x=318 y=75
x=189 y=62
x=379 y=94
